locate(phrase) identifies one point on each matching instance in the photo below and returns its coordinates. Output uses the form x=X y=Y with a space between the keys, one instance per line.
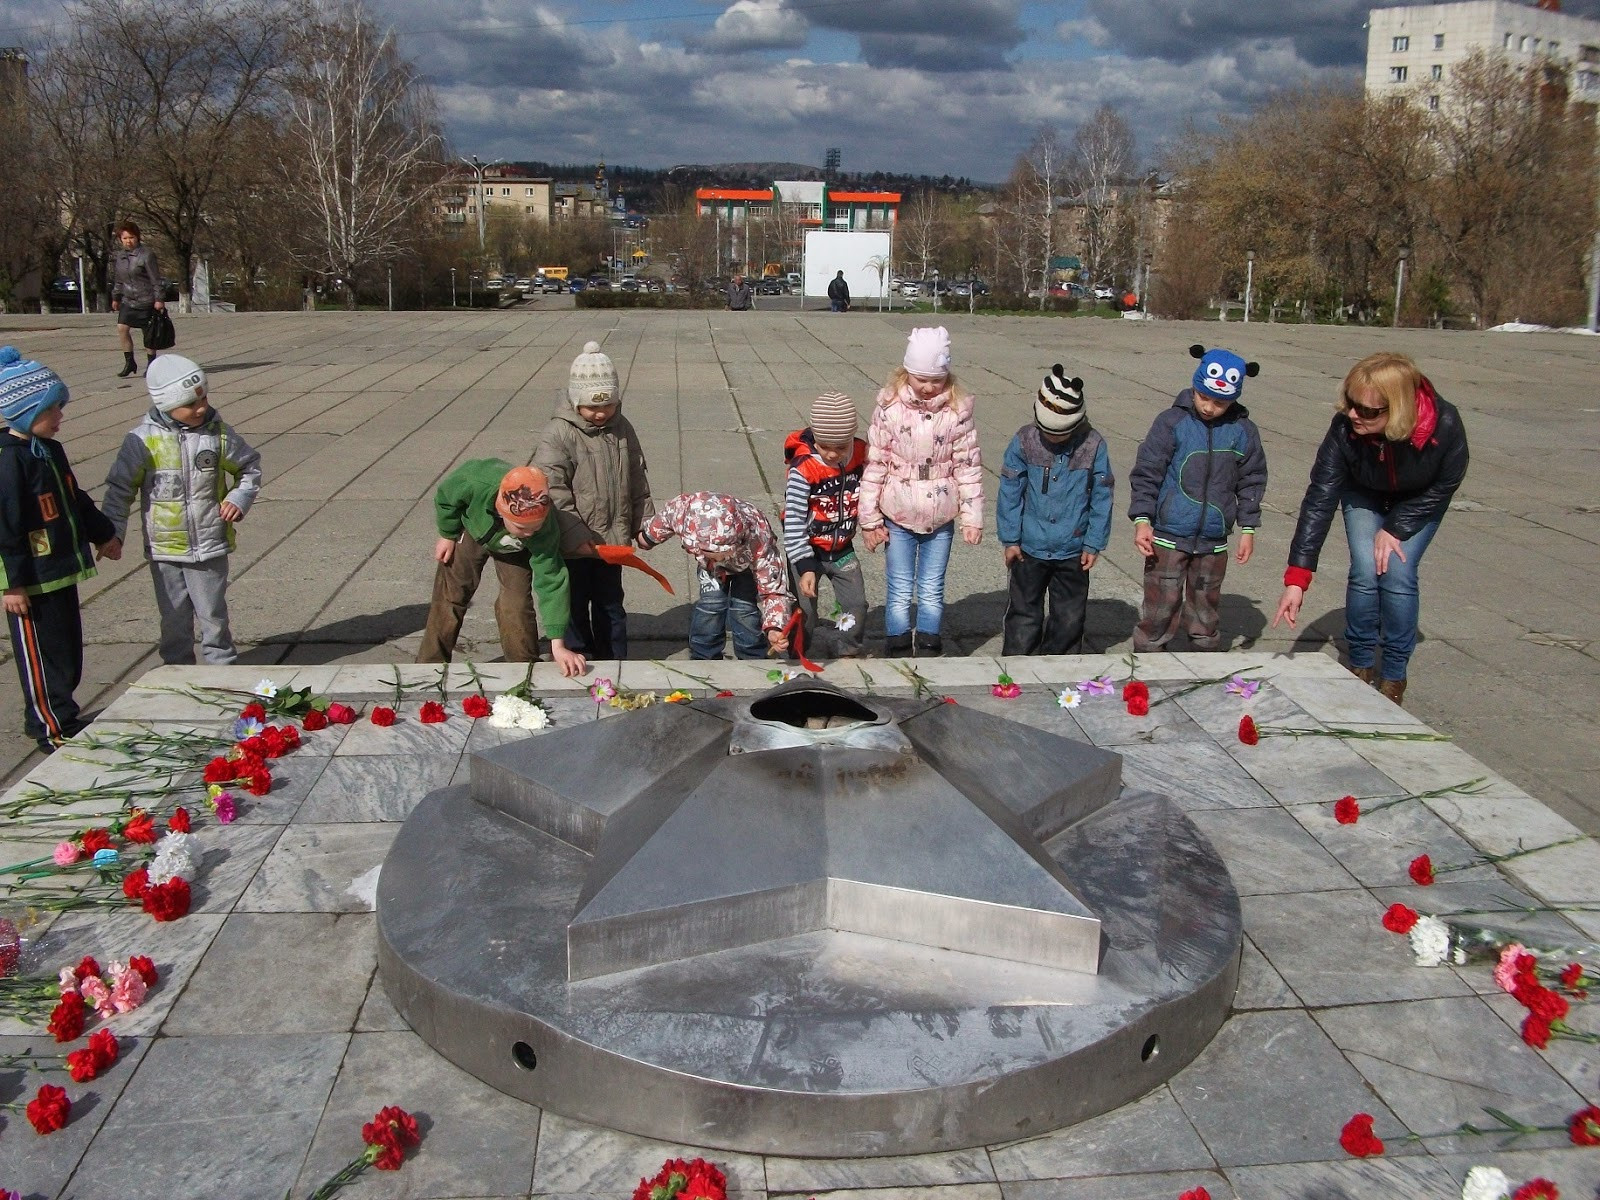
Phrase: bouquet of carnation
x=680 y=1180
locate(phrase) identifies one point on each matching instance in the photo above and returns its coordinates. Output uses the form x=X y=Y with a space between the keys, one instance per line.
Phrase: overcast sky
x=935 y=86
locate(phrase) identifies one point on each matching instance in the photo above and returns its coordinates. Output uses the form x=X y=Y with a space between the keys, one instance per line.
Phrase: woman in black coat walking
x=1392 y=459
x=135 y=291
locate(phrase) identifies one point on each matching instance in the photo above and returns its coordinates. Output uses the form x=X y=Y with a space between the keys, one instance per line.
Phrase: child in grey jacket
x=196 y=478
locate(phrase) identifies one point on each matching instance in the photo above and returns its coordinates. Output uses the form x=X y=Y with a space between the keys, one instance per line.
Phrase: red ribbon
x=796 y=639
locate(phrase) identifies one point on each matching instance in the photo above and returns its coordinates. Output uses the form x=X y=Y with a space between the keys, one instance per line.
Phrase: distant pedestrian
x=196 y=478
x=1053 y=518
x=744 y=588
x=135 y=292
x=839 y=293
x=47 y=523
x=924 y=476
x=821 y=504
x=740 y=295
x=489 y=510
x=591 y=456
x=1393 y=457
x=1199 y=470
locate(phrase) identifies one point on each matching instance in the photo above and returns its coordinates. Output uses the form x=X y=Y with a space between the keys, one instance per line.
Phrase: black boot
x=929 y=645
x=898 y=646
x=128 y=365
x=148 y=359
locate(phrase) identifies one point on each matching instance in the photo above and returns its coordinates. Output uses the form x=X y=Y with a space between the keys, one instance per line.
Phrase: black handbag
x=159 y=333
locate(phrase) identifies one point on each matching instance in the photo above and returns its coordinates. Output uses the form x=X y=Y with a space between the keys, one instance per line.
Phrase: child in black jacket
x=46 y=527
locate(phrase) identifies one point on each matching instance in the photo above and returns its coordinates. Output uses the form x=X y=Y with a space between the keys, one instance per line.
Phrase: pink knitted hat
x=928 y=352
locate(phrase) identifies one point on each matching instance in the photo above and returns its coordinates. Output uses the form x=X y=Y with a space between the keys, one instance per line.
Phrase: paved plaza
x=269 y=1040
x=358 y=416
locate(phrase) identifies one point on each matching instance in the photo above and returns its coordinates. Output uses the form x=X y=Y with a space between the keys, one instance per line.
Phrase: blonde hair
x=1394 y=377
x=900 y=377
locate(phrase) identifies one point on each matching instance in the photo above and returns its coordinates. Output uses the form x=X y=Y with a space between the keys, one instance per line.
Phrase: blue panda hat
x=1221 y=373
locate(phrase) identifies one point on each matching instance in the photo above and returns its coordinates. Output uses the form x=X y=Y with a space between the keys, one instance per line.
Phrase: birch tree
x=917 y=232
x=1044 y=168
x=362 y=142
x=1101 y=159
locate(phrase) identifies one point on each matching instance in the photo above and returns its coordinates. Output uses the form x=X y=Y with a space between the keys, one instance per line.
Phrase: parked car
x=629 y=284
x=63 y=295
x=910 y=288
x=1105 y=291
x=494 y=284
x=771 y=287
x=599 y=283
x=551 y=284
x=577 y=284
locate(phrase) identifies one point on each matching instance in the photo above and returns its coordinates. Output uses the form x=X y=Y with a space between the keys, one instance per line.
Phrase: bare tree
x=30 y=235
x=1045 y=168
x=362 y=134
x=1102 y=158
x=196 y=68
x=918 y=232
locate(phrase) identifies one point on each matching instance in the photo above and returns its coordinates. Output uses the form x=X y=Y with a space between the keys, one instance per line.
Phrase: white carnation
x=513 y=712
x=1486 y=1183
x=176 y=857
x=1430 y=941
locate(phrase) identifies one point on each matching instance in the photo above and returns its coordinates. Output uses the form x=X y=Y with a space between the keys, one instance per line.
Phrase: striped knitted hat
x=833 y=418
x=27 y=388
x=1059 y=405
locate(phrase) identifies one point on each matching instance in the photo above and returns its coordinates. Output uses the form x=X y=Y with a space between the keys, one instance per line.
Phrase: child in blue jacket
x=1054 y=519
x=1200 y=470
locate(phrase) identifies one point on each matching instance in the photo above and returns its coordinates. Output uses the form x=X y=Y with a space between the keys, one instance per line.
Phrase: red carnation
x=1545 y=1002
x=392 y=1131
x=1537 y=1189
x=140 y=828
x=383 y=716
x=1139 y=706
x=178 y=822
x=1421 y=870
x=146 y=968
x=87 y=968
x=253 y=712
x=314 y=720
x=96 y=839
x=1571 y=977
x=475 y=706
x=66 y=1021
x=81 y=1065
x=1135 y=687
x=1347 y=810
x=259 y=782
x=135 y=882
x=341 y=714
x=103 y=1043
x=290 y=735
x=167 y=901
x=432 y=713
x=1585 y=1126
x=48 y=1111
x=1248 y=733
x=1198 y=1193
x=1399 y=918
x=724 y=694
x=1357 y=1137
x=218 y=770
x=274 y=741
x=1536 y=1031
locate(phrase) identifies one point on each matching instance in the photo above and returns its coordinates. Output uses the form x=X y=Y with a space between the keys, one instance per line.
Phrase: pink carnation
x=127 y=989
x=96 y=992
x=222 y=805
x=1505 y=971
x=69 y=980
x=65 y=854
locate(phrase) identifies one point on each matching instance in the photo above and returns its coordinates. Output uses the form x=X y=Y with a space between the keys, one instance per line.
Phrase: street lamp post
x=936 y=289
x=478 y=168
x=452 y=287
x=1399 y=284
x=1249 y=281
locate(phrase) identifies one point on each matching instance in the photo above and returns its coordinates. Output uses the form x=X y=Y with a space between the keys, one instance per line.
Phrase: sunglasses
x=1362 y=411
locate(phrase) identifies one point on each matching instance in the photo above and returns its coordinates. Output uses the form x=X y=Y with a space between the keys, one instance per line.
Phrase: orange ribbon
x=623 y=556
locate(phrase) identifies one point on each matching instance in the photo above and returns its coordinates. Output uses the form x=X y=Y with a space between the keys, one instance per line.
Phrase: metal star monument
x=810 y=923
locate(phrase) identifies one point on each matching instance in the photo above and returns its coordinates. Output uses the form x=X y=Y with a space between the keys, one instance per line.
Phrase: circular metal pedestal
x=823 y=1043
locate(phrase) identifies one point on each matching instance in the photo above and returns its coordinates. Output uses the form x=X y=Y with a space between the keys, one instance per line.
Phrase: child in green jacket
x=486 y=509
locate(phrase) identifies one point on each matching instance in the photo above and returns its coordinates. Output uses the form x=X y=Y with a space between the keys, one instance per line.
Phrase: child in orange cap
x=487 y=509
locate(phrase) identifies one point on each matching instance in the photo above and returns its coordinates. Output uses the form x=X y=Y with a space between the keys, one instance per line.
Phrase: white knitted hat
x=928 y=352
x=593 y=378
x=174 y=381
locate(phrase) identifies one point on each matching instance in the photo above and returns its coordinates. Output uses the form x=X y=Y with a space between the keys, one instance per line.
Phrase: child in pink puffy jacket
x=924 y=475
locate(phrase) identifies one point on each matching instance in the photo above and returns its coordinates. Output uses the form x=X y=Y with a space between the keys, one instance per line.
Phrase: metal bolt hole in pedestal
x=809 y=923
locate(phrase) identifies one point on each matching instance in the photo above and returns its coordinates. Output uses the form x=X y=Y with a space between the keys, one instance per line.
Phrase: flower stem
x=1484 y=860
x=347 y=1174
x=1204 y=683
x=1470 y=788
x=703 y=680
x=920 y=686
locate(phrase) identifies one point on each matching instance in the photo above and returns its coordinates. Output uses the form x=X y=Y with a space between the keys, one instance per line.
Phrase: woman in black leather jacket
x=1394 y=455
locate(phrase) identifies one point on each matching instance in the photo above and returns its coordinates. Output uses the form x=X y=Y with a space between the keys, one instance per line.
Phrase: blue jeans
x=1380 y=611
x=916 y=564
x=726 y=604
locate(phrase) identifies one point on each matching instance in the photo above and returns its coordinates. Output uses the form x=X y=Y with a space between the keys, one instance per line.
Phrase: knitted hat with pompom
x=593 y=378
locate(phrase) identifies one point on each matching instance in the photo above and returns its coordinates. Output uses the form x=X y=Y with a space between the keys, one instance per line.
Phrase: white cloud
x=756 y=25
